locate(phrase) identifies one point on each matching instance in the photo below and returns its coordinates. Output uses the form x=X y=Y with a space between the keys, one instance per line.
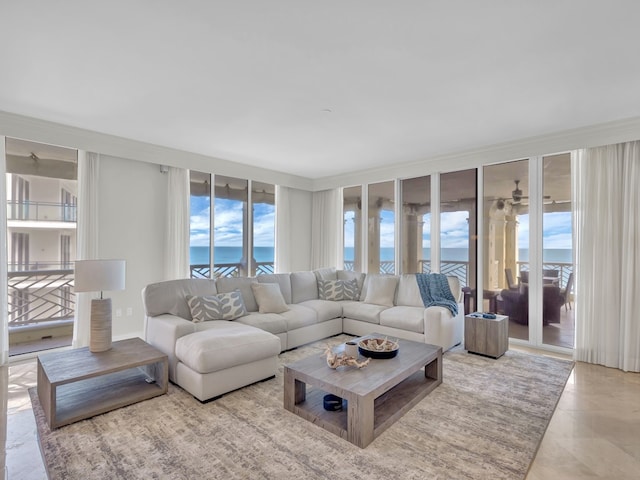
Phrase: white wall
x=300 y=229
x=132 y=221
x=132 y=200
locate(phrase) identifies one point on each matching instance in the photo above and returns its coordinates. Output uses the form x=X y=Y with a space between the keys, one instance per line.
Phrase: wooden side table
x=486 y=336
x=78 y=384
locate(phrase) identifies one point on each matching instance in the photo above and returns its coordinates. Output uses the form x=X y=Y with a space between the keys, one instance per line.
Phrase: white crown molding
x=595 y=135
x=29 y=128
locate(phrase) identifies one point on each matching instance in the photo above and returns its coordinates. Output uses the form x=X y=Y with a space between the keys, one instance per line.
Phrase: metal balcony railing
x=40 y=296
x=564 y=270
x=460 y=269
x=230 y=270
x=41 y=211
x=39 y=266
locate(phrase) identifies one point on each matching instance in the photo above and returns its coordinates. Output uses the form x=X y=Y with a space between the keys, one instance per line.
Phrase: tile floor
x=594 y=432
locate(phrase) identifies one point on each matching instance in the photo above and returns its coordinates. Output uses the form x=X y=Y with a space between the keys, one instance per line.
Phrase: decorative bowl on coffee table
x=378 y=348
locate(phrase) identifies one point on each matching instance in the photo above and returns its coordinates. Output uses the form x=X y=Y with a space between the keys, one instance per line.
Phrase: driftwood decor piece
x=335 y=360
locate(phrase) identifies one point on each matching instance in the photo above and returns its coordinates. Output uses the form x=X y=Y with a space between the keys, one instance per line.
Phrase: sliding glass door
x=458 y=229
x=352 y=230
x=381 y=228
x=506 y=244
x=416 y=225
x=557 y=252
x=527 y=248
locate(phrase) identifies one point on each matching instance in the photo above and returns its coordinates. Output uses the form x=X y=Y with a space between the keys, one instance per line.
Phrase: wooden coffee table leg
x=434 y=369
x=360 y=420
x=295 y=391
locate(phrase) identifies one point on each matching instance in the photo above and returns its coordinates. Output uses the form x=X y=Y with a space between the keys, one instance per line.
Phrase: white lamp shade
x=99 y=275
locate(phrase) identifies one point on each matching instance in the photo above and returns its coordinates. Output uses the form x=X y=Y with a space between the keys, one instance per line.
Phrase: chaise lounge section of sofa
x=281 y=312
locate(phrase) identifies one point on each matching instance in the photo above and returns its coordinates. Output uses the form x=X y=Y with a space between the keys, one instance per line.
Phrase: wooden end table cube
x=78 y=384
x=486 y=336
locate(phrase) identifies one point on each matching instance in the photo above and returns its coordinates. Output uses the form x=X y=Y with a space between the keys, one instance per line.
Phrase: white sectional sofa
x=212 y=357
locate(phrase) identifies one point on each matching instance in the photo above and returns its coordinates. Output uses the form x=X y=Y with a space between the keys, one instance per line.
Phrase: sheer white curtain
x=283 y=230
x=326 y=228
x=4 y=329
x=178 y=225
x=87 y=237
x=607 y=240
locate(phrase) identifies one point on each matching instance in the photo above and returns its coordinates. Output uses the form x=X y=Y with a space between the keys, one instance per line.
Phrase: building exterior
x=41 y=241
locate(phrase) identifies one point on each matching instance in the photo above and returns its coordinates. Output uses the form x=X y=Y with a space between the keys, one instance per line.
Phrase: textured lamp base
x=100 y=340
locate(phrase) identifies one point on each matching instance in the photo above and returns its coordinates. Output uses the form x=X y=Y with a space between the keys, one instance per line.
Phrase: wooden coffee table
x=78 y=384
x=376 y=395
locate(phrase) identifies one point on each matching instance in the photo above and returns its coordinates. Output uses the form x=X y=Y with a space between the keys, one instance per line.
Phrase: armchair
x=511 y=284
x=515 y=304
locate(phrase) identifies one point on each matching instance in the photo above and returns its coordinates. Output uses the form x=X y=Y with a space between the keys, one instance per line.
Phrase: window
x=65 y=252
x=263 y=200
x=230 y=232
x=42 y=186
x=19 y=197
x=69 y=204
x=19 y=247
x=458 y=213
x=381 y=234
x=506 y=243
x=416 y=223
x=232 y=238
x=200 y=224
x=557 y=252
x=352 y=232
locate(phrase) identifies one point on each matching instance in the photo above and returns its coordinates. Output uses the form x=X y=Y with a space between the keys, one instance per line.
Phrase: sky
x=455 y=230
x=454 y=226
x=228 y=223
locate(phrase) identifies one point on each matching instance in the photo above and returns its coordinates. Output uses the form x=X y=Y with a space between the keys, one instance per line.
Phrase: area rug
x=485 y=421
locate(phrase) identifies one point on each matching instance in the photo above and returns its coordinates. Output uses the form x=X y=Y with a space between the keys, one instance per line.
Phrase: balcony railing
x=460 y=269
x=40 y=296
x=564 y=270
x=230 y=270
x=39 y=266
x=41 y=211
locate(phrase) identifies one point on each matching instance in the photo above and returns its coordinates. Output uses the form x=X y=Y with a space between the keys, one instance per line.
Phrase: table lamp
x=98 y=276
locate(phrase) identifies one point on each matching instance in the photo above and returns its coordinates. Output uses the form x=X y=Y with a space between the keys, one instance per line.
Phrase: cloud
x=228 y=223
x=199 y=238
x=426 y=231
x=199 y=222
x=523 y=231
x=556 y=230
x=264 y=221
x=454 y=229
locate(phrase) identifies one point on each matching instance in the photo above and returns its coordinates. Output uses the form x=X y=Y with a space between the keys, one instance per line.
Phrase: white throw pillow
x=223 y=306
x=381 y=290
x=269 y=298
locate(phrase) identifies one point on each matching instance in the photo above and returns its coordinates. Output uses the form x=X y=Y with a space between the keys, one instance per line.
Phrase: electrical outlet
x=118 y=312
x=129 y=311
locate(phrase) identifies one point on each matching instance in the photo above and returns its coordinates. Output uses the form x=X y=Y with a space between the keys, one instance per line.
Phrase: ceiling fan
x=516 y=194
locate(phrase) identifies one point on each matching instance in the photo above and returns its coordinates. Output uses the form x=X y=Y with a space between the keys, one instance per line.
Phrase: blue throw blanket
x=434 y=290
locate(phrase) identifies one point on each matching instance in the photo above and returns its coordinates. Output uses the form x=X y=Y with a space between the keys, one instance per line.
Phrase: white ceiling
x=322 y=88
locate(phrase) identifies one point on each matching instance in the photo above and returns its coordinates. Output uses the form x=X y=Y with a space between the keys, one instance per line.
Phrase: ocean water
x=462 y=254
x=200 y=255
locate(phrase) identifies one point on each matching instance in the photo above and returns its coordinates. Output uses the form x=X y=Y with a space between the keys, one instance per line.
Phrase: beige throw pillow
x=269 y=298
x=381 y=290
